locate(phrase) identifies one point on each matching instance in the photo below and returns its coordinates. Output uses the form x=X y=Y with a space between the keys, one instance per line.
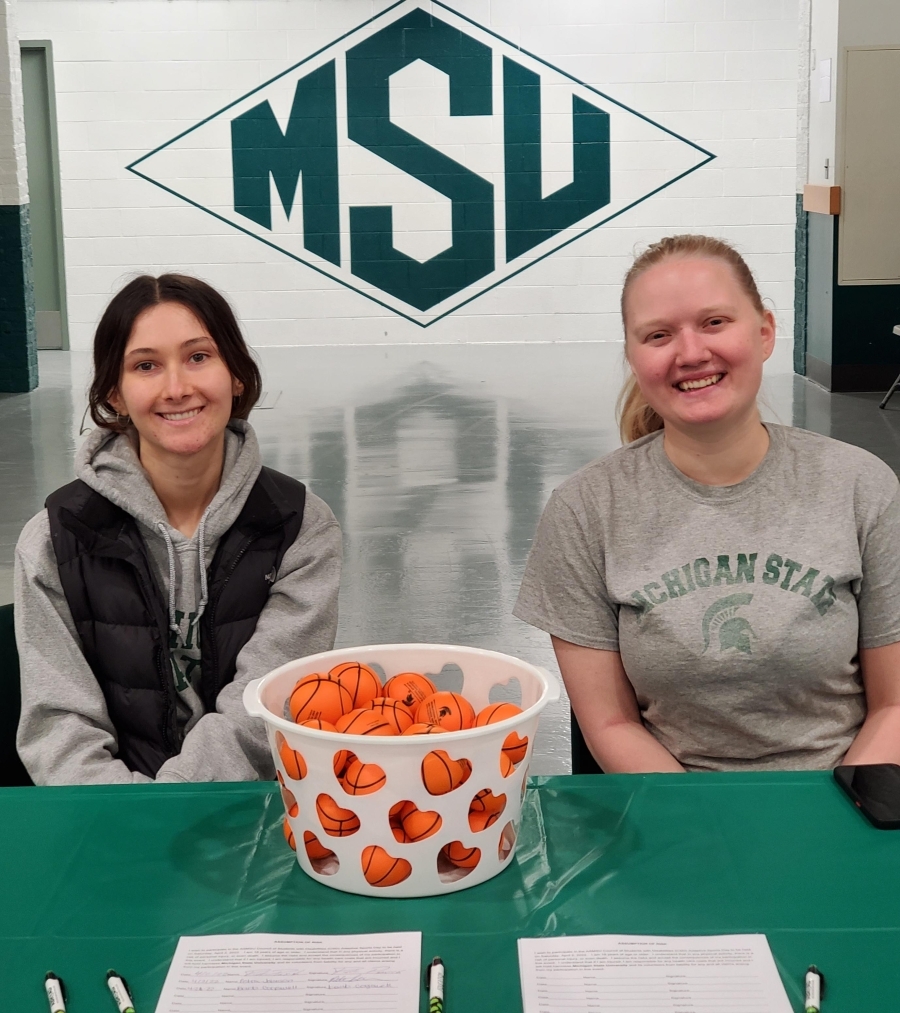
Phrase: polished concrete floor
x=437 y=460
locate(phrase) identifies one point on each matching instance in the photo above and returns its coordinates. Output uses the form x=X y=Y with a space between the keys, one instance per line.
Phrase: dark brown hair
x=636 y=417
x=208 y=306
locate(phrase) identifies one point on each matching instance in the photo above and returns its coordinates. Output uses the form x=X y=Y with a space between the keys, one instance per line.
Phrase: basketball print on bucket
x=382 y=869
x=410 y=824
x=287 y=797
x=485 y=809
x=323 y=860
x=292 y=760
x=441 y=774
x=289 y=834
x=507 y=841
x=336 y=821
x=460 y=855
x=360 y=778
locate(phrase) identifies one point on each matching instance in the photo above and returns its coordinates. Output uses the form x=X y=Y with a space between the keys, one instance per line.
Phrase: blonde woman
x=722 y=594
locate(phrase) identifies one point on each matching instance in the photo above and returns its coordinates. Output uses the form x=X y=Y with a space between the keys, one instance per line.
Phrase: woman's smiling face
x=695 y=341
x=174 y=384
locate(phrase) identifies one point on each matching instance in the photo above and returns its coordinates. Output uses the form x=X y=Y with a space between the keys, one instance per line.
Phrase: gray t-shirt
x=737 y=610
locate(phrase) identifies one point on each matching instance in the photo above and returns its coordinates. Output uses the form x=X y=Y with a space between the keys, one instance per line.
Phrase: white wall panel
x=132 y=74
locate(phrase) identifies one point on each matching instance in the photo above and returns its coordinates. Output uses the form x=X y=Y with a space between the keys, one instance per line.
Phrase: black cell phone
x=875 y=789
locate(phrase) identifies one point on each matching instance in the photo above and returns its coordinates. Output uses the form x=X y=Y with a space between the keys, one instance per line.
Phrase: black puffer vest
x=121 y=617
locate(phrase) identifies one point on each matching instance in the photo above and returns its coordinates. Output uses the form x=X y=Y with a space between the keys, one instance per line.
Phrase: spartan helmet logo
x=734 y=631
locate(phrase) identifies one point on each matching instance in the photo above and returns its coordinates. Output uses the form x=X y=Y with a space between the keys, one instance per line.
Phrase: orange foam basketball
x=359 y=680
x=496 y=712
x=318 y=698
x=410 y=688
x=461 y=856
x=485 y=809
x=515 y=747
x=342 y=755
x=395 y=818
x=340 y=760
x=422 y=729
x=419 y=824
x=314 y=848
x=323 y=726
x=363 y=778
x=479 y=821
x=487 y=801
x=290 y=802
x=294 y=764
x=449 y=710
x=507 y=767
x=336 y=822
x=289 y=835
x=363 y=721
x=381 y=869
x=398 y=715
x=440 y=773
x=312 y=677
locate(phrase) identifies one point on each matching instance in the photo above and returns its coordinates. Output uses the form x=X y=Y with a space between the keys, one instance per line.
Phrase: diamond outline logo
x=590 y=117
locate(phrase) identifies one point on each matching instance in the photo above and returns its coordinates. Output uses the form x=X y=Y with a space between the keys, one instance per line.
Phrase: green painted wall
x=18 y=348
x=850 y=344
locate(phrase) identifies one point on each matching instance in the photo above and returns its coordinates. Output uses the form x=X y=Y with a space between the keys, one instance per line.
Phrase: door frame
x=47 y=46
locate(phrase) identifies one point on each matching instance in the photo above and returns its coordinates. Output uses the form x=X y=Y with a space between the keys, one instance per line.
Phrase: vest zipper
x=214 y=602
x=162 y=660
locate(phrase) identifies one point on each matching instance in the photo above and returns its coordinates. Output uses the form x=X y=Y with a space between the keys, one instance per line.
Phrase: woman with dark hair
x=721 y=594
x=175 y=568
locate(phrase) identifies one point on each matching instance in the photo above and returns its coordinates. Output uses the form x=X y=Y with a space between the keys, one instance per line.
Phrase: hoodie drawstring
x=201 y=554
x=170 y=549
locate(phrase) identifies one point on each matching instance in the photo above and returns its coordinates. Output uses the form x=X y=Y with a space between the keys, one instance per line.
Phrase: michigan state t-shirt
x=738 y=610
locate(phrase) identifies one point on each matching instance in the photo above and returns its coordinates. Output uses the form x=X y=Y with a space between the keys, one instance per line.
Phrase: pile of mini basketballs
x=350 y=698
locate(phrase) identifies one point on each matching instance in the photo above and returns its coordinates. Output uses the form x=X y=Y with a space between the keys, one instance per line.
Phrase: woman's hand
x=878 y=741
x=604 y=703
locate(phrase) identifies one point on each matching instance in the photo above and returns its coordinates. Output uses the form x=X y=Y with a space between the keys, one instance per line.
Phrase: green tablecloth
x=103 y=877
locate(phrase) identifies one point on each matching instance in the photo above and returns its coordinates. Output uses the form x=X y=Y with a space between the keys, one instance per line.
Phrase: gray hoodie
x=65 y=735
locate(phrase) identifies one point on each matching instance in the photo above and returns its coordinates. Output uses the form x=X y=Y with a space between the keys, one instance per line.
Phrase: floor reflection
x=437 y=460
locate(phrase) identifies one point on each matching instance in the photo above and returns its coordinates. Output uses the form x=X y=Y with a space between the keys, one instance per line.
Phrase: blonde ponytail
x=636 y=417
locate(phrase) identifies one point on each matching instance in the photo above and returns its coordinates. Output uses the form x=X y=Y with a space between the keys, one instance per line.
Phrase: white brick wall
x=13 y=175
x=130 y=74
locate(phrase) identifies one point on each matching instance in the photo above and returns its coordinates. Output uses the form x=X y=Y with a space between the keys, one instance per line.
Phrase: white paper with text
x=268 y=973
x=650 y=974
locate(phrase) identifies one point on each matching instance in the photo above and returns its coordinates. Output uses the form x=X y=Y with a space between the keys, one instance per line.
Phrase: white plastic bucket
x=400 y=757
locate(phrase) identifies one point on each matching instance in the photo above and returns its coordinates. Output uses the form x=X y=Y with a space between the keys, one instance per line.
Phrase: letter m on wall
x=307 y=149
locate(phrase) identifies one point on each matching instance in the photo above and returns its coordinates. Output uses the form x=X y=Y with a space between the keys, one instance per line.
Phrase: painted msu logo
x=420 y=160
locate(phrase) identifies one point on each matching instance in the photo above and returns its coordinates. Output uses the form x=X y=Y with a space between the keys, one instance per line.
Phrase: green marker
x=119 y=988
x=815 y=986
x=434 y=978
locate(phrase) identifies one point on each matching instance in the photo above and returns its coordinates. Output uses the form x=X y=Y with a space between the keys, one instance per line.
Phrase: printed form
x=267 y=973
x=650 y=974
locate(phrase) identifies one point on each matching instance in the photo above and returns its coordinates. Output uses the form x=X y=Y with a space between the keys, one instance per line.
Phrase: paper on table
x=266 y=973
x=650 y=974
